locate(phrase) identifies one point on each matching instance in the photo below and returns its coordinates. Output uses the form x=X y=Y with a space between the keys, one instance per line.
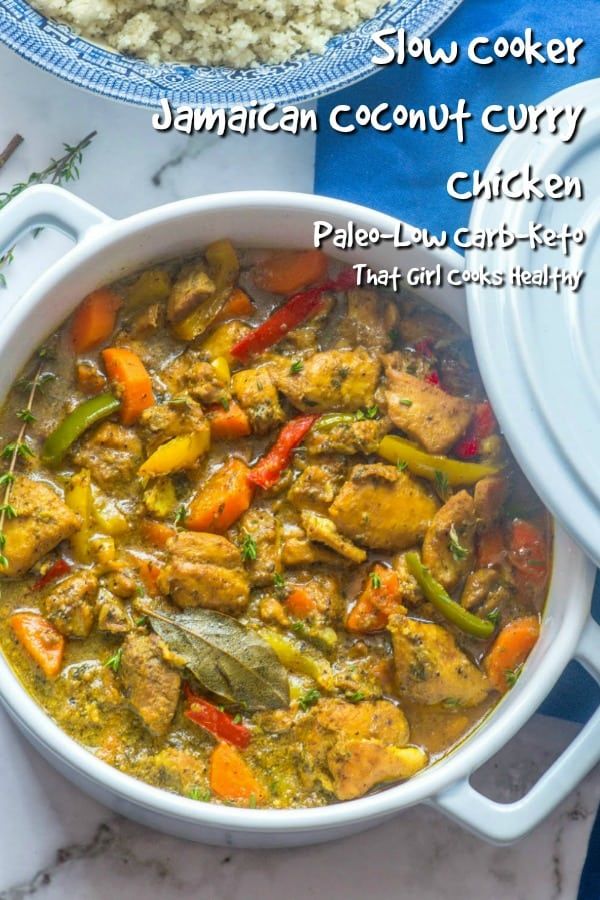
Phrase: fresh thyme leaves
x=114 y=662
x=401 y=465
x=279 y=584
x=355 y=697
x=309 y=699
x=370 y=412
x=13 y=451
x=454 y=545
x=59 y=171
x=224 y=401
x=375 y=580
x=494 y=616
x=441 y=485
x=249 y=551
x=296 y=367
x=405 y=401
x=180 y=515
x=512 y=675
x=197 y=793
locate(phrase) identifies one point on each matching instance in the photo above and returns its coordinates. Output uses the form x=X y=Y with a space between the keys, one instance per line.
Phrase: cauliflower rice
x=237 y=33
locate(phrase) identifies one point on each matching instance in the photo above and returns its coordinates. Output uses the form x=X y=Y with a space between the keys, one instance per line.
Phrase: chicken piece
x=122 y=584
x=485 y=590
x=348 y=438
x=113 y=617
x=168 y=420
x=324 y=590
x=89 y=693
x=322 y=530
x=192 y=286
x=89 y=378
x=297 y=550
x=449 y=544
x=174 y=770
x=409 y=361
x=71 y=605
x=378 y=719
x=316 y=487
x=430 y=668
x=383 y=508
x=263 y=528
x=257 y=395
x=334 y=380
x=425 y=325
x=358 y=766
x=188 y=374
x=151 y=685
x=368 y=322
x=425 y=412
x=489 y=496
x=306 y=337
x=42 y=521
x=272 y=612
x=409 y=592
x=361 y=745
x=146 y=322
x=112 y=453
x=205 y=570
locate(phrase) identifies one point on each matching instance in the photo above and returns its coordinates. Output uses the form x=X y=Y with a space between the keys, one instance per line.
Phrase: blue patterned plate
x=347 y=59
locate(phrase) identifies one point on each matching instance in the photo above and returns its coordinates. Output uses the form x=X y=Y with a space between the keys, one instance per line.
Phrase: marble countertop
x=56 y=842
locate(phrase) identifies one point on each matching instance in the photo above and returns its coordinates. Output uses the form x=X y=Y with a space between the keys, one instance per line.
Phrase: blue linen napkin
x=404 y=173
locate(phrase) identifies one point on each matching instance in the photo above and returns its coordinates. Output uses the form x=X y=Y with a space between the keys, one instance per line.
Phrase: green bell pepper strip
x=331 y=420
x=396 y=449
x=449 y=608
x=66 y=433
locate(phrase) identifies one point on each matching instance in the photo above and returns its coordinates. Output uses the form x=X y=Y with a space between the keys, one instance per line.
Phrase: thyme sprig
x=59 y=171
x=13 y=451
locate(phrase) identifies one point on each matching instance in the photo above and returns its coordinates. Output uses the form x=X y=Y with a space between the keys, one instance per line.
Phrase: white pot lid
x=538 y=350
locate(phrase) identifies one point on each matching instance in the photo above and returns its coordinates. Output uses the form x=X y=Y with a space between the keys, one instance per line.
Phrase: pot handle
x=46 y=206
x=503 y=823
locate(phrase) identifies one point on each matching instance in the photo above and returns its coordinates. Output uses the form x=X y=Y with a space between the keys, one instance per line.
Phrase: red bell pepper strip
x=432 y=378
x=267 y=470
x=60 y=567
x=297 y=309
x=528 y=552
x=216 y=721
x=482 y=425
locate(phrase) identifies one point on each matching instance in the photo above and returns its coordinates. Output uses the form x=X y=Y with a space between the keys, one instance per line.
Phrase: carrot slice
x=126 y=370
x=156 y=533
x=528 y=552
x=510 y=650
x=229 y=424
x=40 y=639
x=232 y=779
x=287 y=273
x=300 y=604
x=379 y=599
x=94 y=319
x=238 y=305
x=222 y=499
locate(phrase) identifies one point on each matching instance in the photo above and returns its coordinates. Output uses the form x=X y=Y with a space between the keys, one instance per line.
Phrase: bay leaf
x=226 y=657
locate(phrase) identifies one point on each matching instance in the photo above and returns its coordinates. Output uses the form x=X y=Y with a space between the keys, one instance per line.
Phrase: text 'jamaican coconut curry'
x=261 y=540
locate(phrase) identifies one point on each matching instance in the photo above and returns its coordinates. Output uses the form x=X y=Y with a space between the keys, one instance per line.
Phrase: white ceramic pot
x=107 y=249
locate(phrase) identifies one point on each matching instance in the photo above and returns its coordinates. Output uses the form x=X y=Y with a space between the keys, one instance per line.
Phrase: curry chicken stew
x=262 y=542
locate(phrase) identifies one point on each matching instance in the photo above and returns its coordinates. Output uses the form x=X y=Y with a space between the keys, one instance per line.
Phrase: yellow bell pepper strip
x=224 y=268
x=82 y=417
x=78 y=497
x=160 y=499
x=108 y=517
x=153 y=286
x=398 y=450
x=221 y=367
x=449 y=608
x=296 y=659
x=180 y=452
